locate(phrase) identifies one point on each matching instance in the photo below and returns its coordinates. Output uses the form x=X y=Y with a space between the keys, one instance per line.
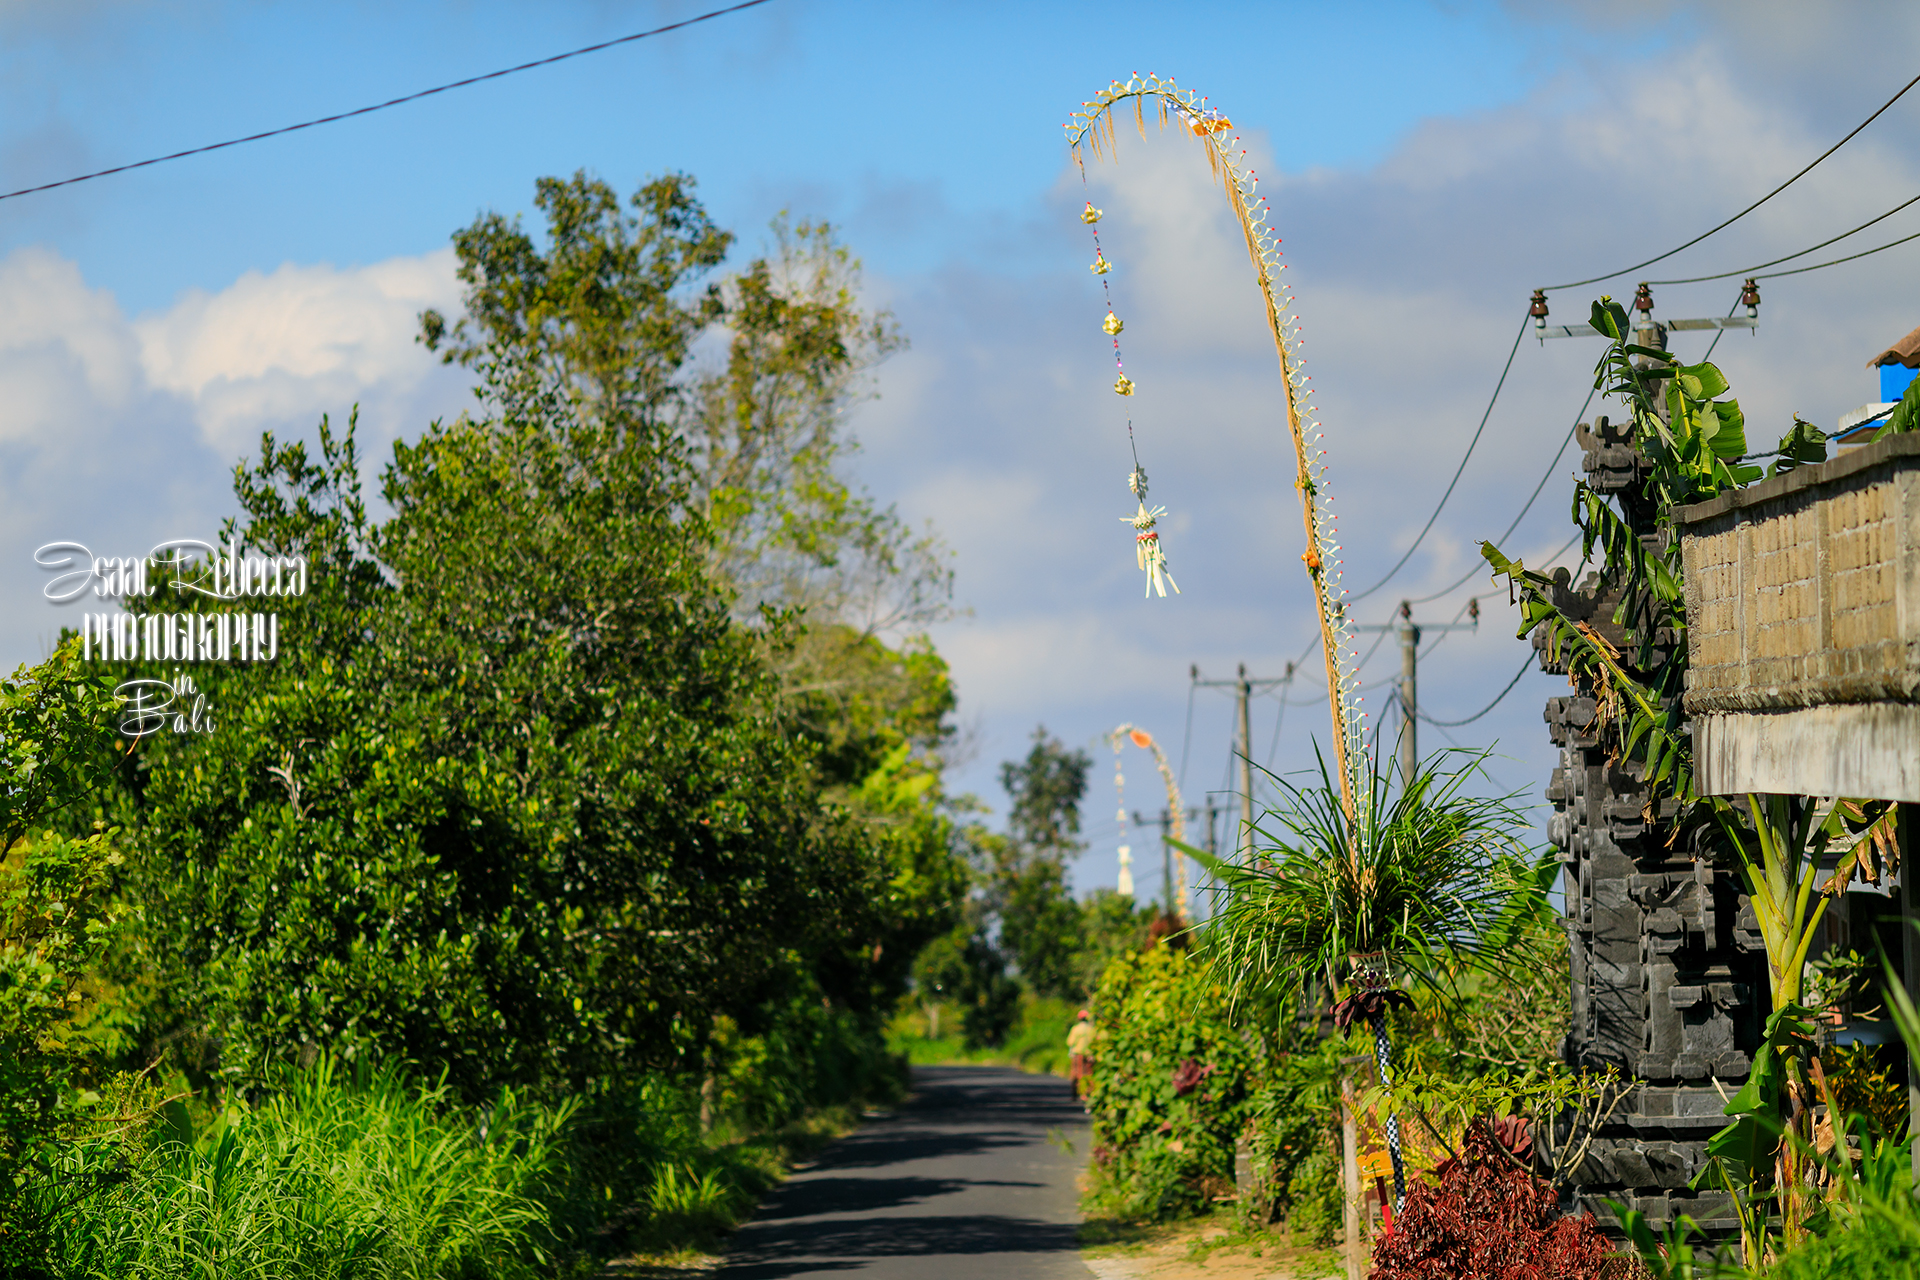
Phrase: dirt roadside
x=1204 y=1250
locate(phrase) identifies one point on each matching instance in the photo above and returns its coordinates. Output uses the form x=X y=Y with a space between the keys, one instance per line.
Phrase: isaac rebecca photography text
x=214 y=571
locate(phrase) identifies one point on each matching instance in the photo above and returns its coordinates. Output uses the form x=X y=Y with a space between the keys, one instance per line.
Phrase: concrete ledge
x=1860 y=750
x=1810 y=476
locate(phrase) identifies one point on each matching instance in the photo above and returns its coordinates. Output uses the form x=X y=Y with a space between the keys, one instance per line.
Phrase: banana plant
x=1778 y=844
x=1696 y=442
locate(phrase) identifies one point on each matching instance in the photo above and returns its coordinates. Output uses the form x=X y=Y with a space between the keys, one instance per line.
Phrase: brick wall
x=1805 y=590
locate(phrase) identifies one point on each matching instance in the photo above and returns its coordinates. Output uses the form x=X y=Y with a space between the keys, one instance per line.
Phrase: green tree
x=963 y=967
x=56 y=920
x=526 y=795
x=1042 y=928
x=529 y=816
x=612 y=312
x=1112 y=925
x=608 y=312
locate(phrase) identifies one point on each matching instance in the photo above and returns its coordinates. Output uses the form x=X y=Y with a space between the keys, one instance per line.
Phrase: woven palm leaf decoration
x=1091 y=129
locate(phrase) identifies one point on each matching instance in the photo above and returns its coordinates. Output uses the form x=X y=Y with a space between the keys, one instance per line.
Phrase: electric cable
x=1393 y=700
x=391 y=102
x=1718 y=333
x=1564 y=548
x=1455 y=724
x=1381 y=683
x=1311 y=683
x=1485 y=772
x=1759 y=266
x=1821 y=266
x=1457 y=583
x=1273 y=749
x=1457 y=471
x=1574 y=284
x=1380 y=638
x=1441 y=639
x=1187 y=740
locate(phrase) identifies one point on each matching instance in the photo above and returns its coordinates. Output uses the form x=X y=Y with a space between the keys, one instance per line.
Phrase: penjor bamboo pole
x=1223 y=167
x=1303 y=481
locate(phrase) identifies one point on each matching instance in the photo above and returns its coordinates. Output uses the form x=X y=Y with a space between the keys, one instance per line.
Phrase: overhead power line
x=1505 y=369
x=1455 y=724
x=1457 y=471
x=1774 y=262
x=391 y=102
x=1533 y=497
x=1722 y=226
x=1821 y=266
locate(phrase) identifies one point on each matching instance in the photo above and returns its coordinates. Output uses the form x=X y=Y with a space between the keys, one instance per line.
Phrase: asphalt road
x=962 y=1182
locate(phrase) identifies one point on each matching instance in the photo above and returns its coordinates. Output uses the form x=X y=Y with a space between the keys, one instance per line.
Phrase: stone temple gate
x=1668 y=967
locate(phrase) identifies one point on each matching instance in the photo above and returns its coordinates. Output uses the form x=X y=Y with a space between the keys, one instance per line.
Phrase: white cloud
x=64 y=348
x=272 y=350
x=119 y=432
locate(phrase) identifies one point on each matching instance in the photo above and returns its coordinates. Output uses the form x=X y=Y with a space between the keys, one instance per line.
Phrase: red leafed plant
x=1484 y=1217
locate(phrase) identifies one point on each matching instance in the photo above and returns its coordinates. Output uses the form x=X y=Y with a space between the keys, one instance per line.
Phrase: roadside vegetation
x=1007 y=981
x=1408 y=943
x=554 y=885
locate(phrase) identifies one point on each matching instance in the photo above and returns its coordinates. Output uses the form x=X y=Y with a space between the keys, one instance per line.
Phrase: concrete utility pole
x=1410 y=677
x=1243 y=688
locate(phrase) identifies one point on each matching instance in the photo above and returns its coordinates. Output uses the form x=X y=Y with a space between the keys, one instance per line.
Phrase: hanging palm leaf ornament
x=1091 y=129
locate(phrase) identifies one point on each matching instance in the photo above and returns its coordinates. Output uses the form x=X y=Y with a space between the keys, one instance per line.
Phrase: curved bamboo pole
x=1092 y=127
x=1141 y=738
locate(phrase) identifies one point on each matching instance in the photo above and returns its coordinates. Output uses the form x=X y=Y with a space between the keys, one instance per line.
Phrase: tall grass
x=334 y=1175
x=331 y=1172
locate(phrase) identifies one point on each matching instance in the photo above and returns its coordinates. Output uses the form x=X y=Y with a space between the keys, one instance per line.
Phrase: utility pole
x=1243 y=689
x=1166 y=852
x=1213 y=847
x=1410 y=677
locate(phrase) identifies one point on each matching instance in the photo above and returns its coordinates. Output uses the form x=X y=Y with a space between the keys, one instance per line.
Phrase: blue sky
x=1429 y=163
x=925 y=128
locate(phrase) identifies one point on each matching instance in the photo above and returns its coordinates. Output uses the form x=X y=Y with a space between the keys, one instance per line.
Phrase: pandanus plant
x=1420 y=882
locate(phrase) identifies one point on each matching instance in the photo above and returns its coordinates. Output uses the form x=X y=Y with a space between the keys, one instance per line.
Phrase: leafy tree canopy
x=527 y=794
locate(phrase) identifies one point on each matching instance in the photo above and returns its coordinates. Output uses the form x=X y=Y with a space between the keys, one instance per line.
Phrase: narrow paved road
x=961 y=1183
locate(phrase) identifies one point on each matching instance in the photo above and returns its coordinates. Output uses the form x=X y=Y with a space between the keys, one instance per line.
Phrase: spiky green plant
x=336 y=1174
x=1423 y=881
x=1429 y=875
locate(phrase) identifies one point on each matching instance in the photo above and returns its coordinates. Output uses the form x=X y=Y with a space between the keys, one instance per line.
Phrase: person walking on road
x=1080 y=1053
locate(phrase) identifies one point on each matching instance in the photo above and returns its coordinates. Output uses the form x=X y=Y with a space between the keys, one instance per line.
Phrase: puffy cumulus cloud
x=1413 y=277
x=262 y=353
x=89 y=450
x=65 y=350
x=119 y=432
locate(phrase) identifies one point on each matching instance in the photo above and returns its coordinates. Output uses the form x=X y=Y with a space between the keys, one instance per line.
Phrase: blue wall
x=1893 y=381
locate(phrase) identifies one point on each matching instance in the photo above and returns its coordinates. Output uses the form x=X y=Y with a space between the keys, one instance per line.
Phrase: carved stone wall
x=1668 y=968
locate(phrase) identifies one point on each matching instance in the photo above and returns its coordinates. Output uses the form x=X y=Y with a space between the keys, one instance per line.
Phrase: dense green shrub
x=1881 y=1247
x=1171 y=1080
x=57 y=917
x=1294 y=1134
